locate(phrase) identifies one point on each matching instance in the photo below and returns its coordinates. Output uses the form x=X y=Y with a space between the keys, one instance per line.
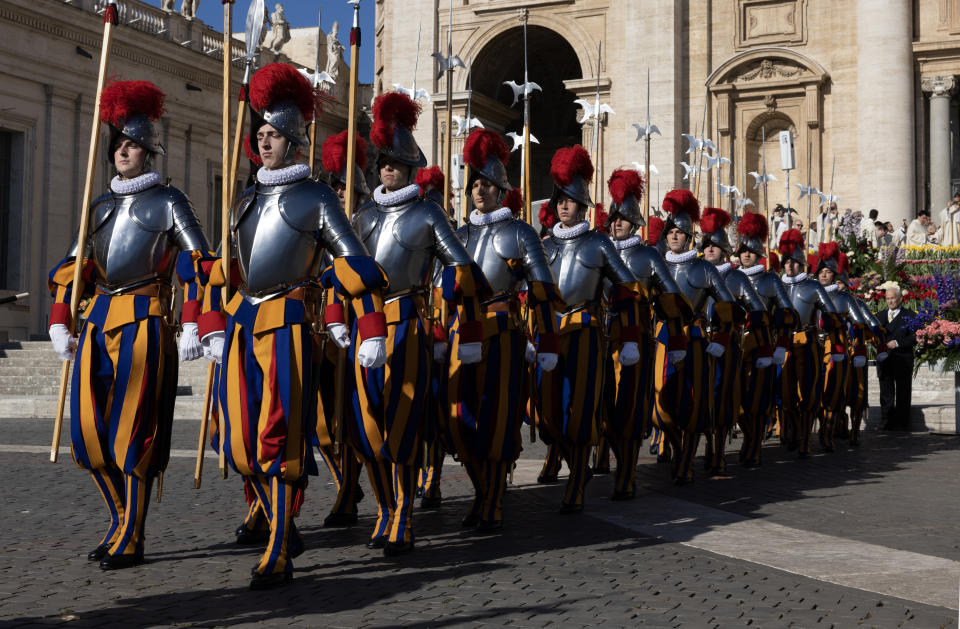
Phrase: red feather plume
x=682 y=200
x=654 y=229
x=828 y=250
x=122 y=99
x=334 y=153
x=481 y=144
x=569 y=162
x=429 y=178
x=790 y=240
x=843 y=263
x=253 y=157
x=753 y=226
x=714 y=219
x=548 y=217
x=391 y=109
x=624 y=183
x=514 y=200
x=813 y=260
x=601 y=219
x=277 y=82
x=774 y=262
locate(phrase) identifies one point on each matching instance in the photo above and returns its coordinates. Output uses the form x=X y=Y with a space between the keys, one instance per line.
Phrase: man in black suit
x=896 y=372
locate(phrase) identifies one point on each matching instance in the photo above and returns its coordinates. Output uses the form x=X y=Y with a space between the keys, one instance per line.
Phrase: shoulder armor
x=409 y=230
x=590 y=251
x=152 y=209
x=463 y=233
x=507 y=240
x=242 y=205
x=301 y=204
x=365 y=219
x=552 y=248
x=102 y=207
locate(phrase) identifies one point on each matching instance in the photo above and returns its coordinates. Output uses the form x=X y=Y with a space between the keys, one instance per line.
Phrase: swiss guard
x=281 y=227
x=801 y=378
x=630 y=388
x=683 y=380
x=757 y=390
x=125 y=375
x=486 y=399
x=406 y=234
x=581 y=258
x=750 y=345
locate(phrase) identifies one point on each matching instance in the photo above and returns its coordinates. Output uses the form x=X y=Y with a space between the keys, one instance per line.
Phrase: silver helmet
x=572 y=171
x=626 y=191
x=713 y=224
x=394 y=117
x=140 y=129
x=683 y=211
x=281 y=97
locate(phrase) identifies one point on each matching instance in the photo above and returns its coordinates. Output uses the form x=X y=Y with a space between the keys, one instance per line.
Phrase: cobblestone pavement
x=618 y=564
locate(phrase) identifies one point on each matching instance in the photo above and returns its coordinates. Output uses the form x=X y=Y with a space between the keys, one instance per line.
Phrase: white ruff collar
x=794 y=280
x=832 y=288
x=397 y=196
x=677 y=258
x=281 y=176
x=137 y=184
x=753 y=270
x=626 y=243
x=564 y=233
x=724 y=268
x=479 y=219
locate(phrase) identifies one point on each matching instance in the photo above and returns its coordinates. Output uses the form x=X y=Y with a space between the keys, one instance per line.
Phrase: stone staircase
x=30 y=378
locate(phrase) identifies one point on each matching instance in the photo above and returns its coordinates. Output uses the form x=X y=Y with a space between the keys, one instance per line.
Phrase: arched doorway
x=553 y=115
x=763 y=148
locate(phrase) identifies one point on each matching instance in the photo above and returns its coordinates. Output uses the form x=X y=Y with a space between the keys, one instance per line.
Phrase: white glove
x=763 y=363
x=780 y=355
x=676 y=355
x=213 y=346
x=629 y=354
x=470 y=353
x=339 y=334
x=547 y=361
x=716 y=350
x=837 y=358
x=530 y=355
x=190 y=347
x=882 y=356
x=63 y=342
x=439 y=351
x=859 y=361
x=372 y=352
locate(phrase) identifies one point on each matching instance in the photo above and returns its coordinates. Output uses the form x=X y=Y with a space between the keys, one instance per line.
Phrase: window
x=9 y=217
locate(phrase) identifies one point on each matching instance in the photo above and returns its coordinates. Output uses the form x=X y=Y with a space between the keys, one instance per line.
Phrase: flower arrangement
x=939 y=343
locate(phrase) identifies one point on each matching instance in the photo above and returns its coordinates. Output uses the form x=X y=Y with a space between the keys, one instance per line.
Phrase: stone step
x=45 y=406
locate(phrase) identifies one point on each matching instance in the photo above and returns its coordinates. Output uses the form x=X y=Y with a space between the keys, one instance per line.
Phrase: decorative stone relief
x=938 y=85
x=768 y=69
x=771 y=22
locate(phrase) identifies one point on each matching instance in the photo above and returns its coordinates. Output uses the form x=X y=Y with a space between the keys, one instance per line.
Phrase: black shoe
x=120 y=562
x=792 y=445
x=680 y=481
x=393 y=549
x=470 y=520
x=267 y=581
x=828 y=448
x=716 y=471
x=663 y=458
x=567 y=509
x=246 y=537
x=623 y=495
x=803 y=455
x=855 y=444
x=750 y=465
x=431 y=502
x=376 y=543
x=99 y=552
x=487 y=527
x=653 y=449
x=545 y=479
x=339 y=520
x=601 y=469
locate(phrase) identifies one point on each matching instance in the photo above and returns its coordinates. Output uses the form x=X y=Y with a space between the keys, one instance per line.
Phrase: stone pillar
x=939 y=89
x=886 y=148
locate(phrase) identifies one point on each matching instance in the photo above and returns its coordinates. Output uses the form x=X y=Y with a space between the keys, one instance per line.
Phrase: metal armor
x=135 y=238
x=771 y=290
x=581 y=263
x=281 y=232
x=807 y=296
x=406 y=238
x=492 y=246
x=742 y=290
x=846 y=305
x=648 y=267
x=869 y=318
x=698 y=280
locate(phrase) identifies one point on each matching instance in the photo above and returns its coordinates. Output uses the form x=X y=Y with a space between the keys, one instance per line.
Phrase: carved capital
x=938 y=85
x=523 y=15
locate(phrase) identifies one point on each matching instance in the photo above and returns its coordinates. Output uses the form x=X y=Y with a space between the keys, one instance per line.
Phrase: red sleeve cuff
x=209 y=322
x=471 y=332
x=549 y=343
x=372 y=325
x=677 y=343
x=191 y=310
x=630 y=333
x=439 y=336
x=721 y=338
x=60 y=313
x=765 y=351
x=333 y=313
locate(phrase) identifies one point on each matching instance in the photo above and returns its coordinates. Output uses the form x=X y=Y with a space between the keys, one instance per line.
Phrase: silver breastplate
x=281 y=232
x=404 y=239
x=580 y=264
x=847 y=306
x=648 y=267
x=494 y=246
x=805 y=298
x=696 y=279
x=770 y=289
x=136 y=237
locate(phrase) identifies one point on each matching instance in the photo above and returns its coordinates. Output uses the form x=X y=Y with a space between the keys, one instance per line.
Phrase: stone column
x=939 y=89
x=886 y=148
